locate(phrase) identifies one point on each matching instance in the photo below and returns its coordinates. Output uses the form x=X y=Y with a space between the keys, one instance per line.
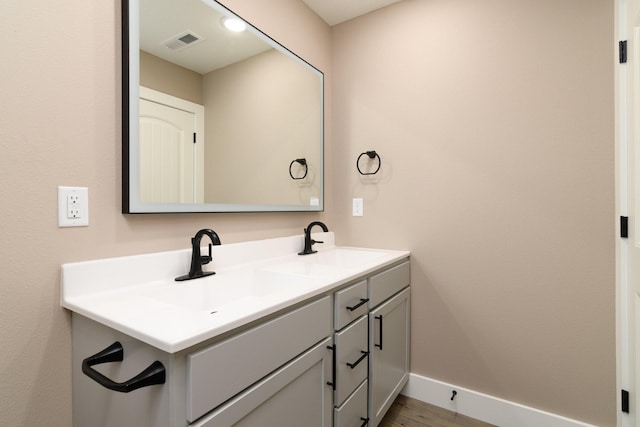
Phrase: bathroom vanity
x=271 y=339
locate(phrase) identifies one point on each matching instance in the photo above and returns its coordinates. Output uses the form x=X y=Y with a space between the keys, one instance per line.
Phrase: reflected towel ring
x=371 y=155
x=303 y=162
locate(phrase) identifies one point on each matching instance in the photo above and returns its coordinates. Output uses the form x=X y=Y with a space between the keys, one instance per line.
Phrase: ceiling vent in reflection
x=183 y=40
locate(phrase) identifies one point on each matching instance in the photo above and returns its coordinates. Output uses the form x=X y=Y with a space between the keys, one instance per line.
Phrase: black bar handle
x=154 y=374
x=380 y=335
x=333 y=372
x=357 y=362
x=365 y=421
x=362 y=301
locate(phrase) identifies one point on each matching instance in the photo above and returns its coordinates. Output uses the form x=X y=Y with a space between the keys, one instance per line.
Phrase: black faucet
x=308 y=241
x=197 y=260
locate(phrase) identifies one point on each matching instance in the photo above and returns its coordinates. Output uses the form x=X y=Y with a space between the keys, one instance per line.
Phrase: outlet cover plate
x=73 y=206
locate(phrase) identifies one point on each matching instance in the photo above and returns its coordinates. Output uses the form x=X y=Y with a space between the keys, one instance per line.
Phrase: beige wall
x=62 y=127
x=494 y=121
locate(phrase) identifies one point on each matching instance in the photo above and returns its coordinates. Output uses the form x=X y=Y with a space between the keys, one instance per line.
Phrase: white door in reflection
x=170 y=158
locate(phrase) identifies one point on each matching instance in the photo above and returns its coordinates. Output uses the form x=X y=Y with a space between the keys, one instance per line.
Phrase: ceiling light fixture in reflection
x=234 y=24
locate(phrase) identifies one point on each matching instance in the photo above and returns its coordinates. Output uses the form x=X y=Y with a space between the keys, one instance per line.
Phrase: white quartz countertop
x=138 y=296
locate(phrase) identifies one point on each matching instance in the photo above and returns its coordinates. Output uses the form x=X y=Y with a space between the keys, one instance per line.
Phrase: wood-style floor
x=407 y=412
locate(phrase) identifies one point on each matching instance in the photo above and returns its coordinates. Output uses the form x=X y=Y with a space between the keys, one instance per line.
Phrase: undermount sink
x=343 y=257
x=222 y=291
x=327 y=263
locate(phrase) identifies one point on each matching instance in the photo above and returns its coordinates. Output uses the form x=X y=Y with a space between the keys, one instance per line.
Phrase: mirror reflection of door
x=170 y=161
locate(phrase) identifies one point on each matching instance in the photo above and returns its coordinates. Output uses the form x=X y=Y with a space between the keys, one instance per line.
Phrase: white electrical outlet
x=358 y=207
x=73 y=206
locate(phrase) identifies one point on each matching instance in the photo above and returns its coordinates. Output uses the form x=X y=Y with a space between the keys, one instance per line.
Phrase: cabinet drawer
x=353 y=413
x=351 y=358
x=387 y=283
x=349 y=304
x=219 y=372
x=295 y=395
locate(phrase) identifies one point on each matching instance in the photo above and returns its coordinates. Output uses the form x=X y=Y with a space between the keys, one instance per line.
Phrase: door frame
x=624 y=375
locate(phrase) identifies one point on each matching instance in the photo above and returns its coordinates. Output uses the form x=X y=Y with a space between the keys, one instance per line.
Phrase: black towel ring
x=303 y=162
x=371 y=155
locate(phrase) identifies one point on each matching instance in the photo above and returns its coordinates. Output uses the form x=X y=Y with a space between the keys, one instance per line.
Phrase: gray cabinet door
x=389 y=357
x=295 y=395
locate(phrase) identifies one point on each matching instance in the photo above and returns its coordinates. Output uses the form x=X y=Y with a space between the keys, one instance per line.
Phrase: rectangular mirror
x=216 y=120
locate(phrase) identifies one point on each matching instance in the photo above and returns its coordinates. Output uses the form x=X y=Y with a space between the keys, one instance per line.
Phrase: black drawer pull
x=365 y=421
x=357 y=362
x=362 y=301
x=380 y=335
x=154 y=374
x=332 y=383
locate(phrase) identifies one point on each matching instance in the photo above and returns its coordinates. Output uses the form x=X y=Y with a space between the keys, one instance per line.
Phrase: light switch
x=358 y=207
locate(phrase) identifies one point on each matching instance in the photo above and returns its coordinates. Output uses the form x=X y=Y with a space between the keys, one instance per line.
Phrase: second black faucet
x=308 y=241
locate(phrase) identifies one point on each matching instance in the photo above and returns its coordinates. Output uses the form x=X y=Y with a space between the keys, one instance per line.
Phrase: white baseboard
x=483 y=407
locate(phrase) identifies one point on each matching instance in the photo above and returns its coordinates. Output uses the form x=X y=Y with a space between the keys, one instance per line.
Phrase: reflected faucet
x=197 y=260
x=308 y=241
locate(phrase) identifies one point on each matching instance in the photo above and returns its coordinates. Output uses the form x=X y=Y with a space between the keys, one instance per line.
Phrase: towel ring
x=371 y=155
x=303 y=162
